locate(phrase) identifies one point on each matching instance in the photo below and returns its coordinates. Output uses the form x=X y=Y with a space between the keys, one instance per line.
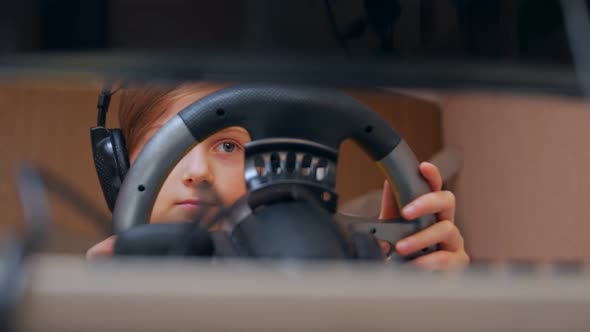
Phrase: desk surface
x=66 y=293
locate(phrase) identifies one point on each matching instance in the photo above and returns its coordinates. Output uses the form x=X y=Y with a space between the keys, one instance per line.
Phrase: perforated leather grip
x=321 y=115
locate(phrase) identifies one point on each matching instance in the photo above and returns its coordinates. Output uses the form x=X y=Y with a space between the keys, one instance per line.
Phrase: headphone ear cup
x=110 y=160
x=366 y=246
x=120 y=151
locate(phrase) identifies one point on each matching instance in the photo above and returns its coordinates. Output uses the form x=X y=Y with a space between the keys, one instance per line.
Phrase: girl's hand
x=101 y=249
x=442 y=203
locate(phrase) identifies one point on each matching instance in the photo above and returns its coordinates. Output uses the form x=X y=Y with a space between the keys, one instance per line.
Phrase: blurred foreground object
x=66 y=293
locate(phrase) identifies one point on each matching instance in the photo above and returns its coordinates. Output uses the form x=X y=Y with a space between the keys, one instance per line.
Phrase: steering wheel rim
x=275 y=111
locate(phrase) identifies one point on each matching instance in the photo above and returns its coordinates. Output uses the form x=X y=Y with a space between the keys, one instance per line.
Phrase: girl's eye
x=227 y=147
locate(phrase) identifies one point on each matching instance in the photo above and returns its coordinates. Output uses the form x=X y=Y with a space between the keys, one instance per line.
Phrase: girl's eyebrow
x=236 y=130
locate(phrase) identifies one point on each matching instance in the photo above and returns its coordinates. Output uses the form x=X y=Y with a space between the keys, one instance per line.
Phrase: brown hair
x=141 y=106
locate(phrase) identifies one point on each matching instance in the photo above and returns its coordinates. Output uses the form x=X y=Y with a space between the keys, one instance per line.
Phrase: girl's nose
x=196 y=168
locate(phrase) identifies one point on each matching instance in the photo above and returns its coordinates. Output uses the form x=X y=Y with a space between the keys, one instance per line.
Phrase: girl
x=219 y=163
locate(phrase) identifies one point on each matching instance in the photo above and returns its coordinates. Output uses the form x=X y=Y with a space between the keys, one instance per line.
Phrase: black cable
x=104 y=102
x=577 y=24
x=335 y=30
x=382 y=15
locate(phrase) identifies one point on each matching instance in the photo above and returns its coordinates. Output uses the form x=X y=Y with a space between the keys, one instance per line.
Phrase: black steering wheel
x=295 y=132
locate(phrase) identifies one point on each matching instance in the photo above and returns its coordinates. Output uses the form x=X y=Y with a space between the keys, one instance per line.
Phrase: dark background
x=502 y=30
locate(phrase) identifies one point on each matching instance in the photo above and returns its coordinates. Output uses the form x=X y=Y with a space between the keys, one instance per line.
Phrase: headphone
x=109 y=151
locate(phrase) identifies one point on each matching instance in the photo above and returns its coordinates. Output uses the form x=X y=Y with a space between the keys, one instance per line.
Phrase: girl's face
x=217 y=162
